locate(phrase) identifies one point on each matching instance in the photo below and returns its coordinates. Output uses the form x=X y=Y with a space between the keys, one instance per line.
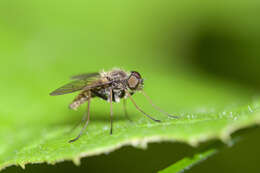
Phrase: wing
x=85 y=81
x=84 y=76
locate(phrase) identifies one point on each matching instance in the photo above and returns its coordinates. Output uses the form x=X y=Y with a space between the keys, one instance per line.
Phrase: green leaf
x=34 y=126
x=40 y=52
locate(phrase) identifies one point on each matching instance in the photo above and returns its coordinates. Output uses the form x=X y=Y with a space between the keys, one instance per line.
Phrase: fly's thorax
x=118 y=74
x=102 y=93
x=114 y=75
x=118 y=94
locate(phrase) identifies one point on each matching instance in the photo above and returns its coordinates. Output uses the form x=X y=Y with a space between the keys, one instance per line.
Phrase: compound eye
x=133 y=82
x=136 y=74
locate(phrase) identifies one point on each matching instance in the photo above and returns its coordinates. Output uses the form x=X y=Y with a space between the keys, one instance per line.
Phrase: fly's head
x=135 y=81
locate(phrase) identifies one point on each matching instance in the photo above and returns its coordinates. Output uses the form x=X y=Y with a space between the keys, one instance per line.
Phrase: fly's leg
x=138 y=108
x=111 y=111
x=156 y=107
x=85 y=126
x=77 y=125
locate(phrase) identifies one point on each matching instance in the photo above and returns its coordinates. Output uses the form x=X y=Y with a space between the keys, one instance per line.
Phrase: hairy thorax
x=118 y=85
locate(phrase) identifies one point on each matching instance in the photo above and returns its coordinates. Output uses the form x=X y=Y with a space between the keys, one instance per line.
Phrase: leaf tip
x=76 y=161
x=193 y=142
x=22 y=165
x=225 y=137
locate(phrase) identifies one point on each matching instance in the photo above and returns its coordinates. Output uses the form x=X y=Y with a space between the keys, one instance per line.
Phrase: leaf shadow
x=74 y=118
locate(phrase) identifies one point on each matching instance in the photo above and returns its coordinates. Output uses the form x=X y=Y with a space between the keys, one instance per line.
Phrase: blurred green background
x=199 y=39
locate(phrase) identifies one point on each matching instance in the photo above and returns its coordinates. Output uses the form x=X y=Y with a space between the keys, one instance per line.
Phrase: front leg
x=111 y=110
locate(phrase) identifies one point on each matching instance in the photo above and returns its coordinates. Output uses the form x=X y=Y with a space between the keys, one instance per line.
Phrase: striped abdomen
x=80 y=99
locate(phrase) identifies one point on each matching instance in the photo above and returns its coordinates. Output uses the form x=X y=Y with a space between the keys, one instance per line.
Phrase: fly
x=112 y=86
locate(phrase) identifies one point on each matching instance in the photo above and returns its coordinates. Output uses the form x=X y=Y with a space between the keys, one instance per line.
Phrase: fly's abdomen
x=79 y=100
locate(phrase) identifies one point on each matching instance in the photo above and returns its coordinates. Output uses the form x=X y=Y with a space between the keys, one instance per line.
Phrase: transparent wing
x=70 y=87
x=84 y=76
x=83 y=81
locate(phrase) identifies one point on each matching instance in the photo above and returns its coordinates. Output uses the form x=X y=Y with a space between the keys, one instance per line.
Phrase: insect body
x=112 y=86
x=115 y=80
